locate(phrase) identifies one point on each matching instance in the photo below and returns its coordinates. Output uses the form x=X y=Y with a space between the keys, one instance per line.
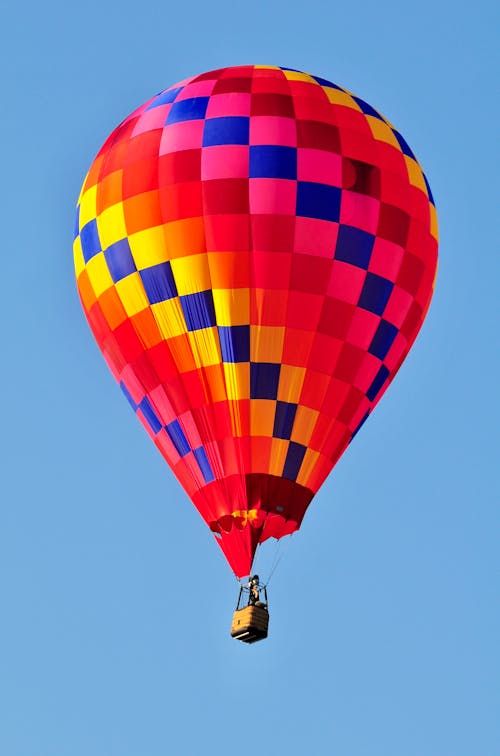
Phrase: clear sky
x=115 y=602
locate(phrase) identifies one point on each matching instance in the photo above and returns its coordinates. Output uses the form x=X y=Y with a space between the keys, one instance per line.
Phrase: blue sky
x=115 y=601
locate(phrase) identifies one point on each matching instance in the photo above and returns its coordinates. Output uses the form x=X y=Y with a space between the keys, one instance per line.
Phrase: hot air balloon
x=255 y=252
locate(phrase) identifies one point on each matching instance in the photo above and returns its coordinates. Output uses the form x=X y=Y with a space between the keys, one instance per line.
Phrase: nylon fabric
x=255 y=251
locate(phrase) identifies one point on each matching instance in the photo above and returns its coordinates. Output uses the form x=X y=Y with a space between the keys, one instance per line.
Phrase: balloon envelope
x=255 y=253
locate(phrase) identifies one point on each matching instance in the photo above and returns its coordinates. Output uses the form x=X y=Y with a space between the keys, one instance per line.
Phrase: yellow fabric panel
x=132 y=294
x=415 y=174
x=266 y=343
x=78 y=256
x=303 y=426
x=88 y=206
x=170 y=318
x=291 y=382
x=279 y=448
x=382 y=131
x=191 y=274
x=98 y=273
x=232 y=306
x=237 y=377
x=434 y=222
x=341 y=98
x=262 y=417
x=297 y=76
x=148 y=247
x=111 y=225
x=206 y=347
x=307 y=466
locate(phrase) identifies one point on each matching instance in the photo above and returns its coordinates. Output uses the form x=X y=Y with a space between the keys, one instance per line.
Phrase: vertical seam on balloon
x=218 y=467
x=309 y=351
x=285 y=309
x=293 y=253
x=215 y=453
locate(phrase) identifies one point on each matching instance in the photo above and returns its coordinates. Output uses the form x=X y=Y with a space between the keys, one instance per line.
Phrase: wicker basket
x=250 y=624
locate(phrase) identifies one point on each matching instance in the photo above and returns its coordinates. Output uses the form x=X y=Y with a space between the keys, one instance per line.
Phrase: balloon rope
x=281 y=548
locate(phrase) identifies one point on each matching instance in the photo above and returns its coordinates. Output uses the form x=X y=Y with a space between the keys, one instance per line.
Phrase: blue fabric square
x=293 y=461
x=178 y=438
x=375 y=293
x=382 y=340
x=326 y=83
x=318 y=201
x=228 y=130
x=377 y=383
x=366 y=108
x=235 y=343
x=128 y=396
x=264 y=380
x=405 y=147
x=273 y=161
x=158 y=282
x=89 y=237
x=192 y=109
x=428 y=189
x=354 y=246
x=164 y=98
x=119 y=260
x=150 y=415
x=198 y=310
x=76 y=227
x=283 y=419
x=204 y=465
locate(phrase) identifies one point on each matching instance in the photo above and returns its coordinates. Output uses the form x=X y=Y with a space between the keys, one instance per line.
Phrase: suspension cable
x=280 y=549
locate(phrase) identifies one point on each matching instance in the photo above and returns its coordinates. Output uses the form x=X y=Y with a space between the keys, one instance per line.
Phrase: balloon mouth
x=240 y=518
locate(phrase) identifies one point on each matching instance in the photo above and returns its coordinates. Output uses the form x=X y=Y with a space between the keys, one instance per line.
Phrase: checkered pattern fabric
x=255 y=253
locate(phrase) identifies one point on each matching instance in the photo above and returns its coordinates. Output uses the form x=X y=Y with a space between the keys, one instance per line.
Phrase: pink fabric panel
x=386 y=259
x=346 y=282
x=398 y=306
x=315 y=237
x=362 y=328
x=196 y=89
x=235 y=104
x=273 y=130
x=360 y=211
x=226 y=161
x=319 y=166
x=272 y=196
x=182 y=136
